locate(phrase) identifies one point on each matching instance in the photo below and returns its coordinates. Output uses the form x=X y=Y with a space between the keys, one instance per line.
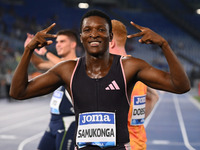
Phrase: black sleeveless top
x=106 y=94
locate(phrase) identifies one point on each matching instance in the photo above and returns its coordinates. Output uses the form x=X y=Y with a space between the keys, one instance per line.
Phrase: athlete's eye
x=102 y=30
x=86 y=30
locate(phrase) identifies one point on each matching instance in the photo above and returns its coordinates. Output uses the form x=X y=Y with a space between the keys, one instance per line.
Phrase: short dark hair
x=70 y=33
x=95 y=12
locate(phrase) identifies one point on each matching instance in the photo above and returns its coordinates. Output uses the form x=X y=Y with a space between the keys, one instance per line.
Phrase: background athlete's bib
x=55 y=101
x=138 y=113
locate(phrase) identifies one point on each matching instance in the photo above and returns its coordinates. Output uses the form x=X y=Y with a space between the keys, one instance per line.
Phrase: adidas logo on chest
x=112 y=86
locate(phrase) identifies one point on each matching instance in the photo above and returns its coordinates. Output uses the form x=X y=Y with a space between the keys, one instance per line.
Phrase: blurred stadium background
x=178 y=21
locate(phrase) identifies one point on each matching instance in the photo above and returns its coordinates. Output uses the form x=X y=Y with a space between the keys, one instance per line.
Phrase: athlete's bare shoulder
x=132 y=66
x=66 y=64
x=64 y=69
x=130 y=60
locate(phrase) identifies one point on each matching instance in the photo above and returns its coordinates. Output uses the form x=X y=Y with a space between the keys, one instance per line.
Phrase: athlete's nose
x=94 y=33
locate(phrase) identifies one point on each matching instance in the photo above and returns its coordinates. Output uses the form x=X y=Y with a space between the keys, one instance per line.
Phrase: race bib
x=138 y=114
x=96 y=128
x=55 y=102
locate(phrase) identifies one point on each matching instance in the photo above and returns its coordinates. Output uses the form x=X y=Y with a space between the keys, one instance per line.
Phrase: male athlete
x=101 y=109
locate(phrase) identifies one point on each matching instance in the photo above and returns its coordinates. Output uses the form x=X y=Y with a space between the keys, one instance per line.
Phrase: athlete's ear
x=111 y=36
x=112 y=44
x=81 y=38
x=73 y=44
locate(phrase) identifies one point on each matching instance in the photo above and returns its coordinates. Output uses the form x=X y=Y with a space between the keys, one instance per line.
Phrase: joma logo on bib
x=138 y=100
x=96 y=128
x=95 y=118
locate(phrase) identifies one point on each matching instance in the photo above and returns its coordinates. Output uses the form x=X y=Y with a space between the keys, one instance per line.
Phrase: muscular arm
x=151 y=99
x=175 y=81
x=21 y=88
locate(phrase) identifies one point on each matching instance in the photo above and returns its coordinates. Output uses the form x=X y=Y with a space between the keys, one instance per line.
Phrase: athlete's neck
x=98 y=67
x=118 y=51
x=70 y=56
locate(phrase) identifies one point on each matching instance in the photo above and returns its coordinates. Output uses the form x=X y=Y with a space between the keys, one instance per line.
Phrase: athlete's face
x=63 y=45
x=95 y=35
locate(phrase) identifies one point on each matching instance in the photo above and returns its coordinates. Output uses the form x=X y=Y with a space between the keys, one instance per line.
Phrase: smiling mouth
x=95 y=43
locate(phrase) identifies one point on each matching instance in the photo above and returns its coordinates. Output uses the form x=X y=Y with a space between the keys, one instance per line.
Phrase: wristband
x=45 y=54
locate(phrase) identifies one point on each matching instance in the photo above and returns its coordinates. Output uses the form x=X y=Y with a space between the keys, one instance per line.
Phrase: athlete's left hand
x=148 y=36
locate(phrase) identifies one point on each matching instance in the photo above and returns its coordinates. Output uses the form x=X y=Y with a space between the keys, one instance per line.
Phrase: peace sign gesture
x=39 y=40
x=148 y=36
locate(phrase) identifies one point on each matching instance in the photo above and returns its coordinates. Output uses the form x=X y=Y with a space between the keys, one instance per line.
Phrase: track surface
x=174 y=124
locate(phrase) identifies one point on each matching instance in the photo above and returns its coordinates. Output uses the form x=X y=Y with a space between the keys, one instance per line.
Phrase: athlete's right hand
x=39 y=40
x=40 y=51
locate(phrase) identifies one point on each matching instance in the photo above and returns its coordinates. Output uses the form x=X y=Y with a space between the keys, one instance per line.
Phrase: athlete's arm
x=21 y=88
x=175 y=81
x=151 y=99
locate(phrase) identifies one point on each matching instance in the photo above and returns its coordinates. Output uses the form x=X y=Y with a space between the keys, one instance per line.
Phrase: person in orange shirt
x=143 y=98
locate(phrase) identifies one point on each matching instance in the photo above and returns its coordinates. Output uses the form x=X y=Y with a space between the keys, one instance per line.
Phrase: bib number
x=55 y=102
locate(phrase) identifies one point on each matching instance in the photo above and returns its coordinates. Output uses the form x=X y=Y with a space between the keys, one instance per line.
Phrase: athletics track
x=174 y=124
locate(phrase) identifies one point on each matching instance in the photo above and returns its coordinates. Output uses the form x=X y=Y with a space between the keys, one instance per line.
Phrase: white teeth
x=94 y=44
